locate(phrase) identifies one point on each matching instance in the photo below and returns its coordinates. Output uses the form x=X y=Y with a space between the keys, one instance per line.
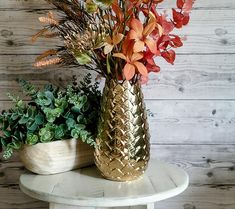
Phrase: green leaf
x=83 y=58
x=3 y=142
x=80 y=126
x=70 y=122
x=7 y=153
x=30 y=112
x=52 y=114
x=61 y=103
x=14 y=116
x=75 y=133
x=108 y=65
x=44 y=98
x=103 y=4
x=49 y=94
x=60 y=131
x=23 y=120
x=91 y=7
x=20 y=104
x=16 y=145
x=45 y=135
x=31 y=139
x=28 y=88
x=5 y=124
x=76 y=109
x=86 y=107
x=33 y=127
x=39 y=119
x=80 y=118
x=83 y=99
x=7 y=133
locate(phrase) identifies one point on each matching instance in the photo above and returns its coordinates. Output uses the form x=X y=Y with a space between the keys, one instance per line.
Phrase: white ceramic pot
x=57 y=156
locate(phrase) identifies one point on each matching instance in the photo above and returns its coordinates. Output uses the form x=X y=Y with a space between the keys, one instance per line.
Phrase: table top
x=86 y=187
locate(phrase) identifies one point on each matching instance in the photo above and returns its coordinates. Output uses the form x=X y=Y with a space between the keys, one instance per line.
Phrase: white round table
x=85 y=188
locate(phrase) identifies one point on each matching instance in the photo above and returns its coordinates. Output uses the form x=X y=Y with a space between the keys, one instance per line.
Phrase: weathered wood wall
x=193 y=101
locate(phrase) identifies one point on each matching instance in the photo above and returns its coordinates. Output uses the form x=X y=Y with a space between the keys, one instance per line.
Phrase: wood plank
x=15 y=37
x=202 y=197
x=203 y=4
x=25 y=22
x=12 y=197
x=205 y=164
x=192 y=76
x=40 y=4
x=24 y=4
x=192 y=122
x=58 y=77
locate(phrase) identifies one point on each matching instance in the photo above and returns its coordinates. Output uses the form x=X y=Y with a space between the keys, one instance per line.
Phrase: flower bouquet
x=119 y=39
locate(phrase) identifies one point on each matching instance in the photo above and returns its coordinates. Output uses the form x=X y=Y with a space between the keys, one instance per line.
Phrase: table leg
x=61 y=206
x=148 y=206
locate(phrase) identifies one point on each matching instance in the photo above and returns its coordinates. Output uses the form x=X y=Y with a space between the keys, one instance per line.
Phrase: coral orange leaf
x=120 y=55
x=160 y=29
x=117 y=38
x=152 y=45
x=141 y=68
x=137 y=26
x=180 y=3
x=138 y=46
x=110 y=43
x=149 y=28
x=169 y=56
x=136 y=56
x=187 y=7
x=129 y=71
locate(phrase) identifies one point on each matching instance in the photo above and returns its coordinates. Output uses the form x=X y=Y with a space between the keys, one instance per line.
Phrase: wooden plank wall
x=193 y=101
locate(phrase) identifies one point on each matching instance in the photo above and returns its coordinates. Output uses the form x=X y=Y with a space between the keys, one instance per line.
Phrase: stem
x=149 y=8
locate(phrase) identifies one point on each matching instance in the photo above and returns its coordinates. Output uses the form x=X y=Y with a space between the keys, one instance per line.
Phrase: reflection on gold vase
x=123 y=147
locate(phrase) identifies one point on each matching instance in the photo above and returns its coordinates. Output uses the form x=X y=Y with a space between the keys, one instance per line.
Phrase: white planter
x=57 y=156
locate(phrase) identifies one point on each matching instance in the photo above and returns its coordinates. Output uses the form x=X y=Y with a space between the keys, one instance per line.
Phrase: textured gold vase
x=122 y=152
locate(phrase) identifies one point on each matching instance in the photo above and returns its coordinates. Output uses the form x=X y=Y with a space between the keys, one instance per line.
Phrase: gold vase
x=123 y=148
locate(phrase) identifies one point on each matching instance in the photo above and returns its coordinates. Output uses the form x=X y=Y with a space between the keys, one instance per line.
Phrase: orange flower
x=141 y=35
x=111 y=42
x=154 y=1
x=132 y=64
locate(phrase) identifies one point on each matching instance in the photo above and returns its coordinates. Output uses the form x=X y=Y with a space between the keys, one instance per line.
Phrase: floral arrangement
x=119 y=39
x=53 y=114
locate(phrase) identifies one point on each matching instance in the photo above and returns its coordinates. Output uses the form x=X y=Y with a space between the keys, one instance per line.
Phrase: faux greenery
x=53 y=114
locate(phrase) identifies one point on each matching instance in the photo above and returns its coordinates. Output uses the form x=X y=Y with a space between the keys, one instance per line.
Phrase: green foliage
x=103 y=4
x=52 y=114
x=31 y=139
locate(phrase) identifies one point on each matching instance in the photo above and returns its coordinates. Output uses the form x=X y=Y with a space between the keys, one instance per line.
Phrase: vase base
x=124 y=179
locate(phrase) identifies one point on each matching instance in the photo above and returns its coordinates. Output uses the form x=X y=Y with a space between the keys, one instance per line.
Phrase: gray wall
x=193 y=101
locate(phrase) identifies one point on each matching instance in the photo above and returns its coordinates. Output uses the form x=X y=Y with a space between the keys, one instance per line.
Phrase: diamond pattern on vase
x=122 y=152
